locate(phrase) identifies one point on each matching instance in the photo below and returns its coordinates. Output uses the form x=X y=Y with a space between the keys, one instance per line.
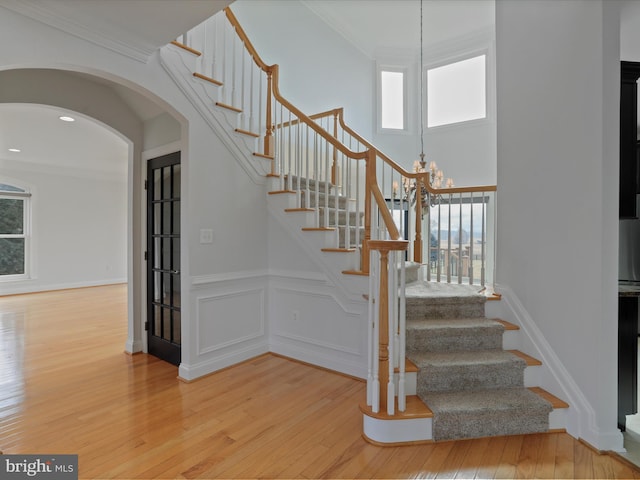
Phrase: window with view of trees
x=14 y=205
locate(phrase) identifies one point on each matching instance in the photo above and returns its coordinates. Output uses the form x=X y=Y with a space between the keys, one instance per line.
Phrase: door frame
x=145 y=156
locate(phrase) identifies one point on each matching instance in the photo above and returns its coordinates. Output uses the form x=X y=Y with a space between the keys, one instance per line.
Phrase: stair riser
x=352 y=236
x=313 y=185
x=482 y=424
x=432 y=340
x=311 y=202
x=469 y=377
x=342 y=217
x=417 y=310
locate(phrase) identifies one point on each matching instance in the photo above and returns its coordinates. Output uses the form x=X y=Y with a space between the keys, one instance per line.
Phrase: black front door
x=163 y=257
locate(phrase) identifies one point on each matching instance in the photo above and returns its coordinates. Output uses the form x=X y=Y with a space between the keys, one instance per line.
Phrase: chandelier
x=436 y=175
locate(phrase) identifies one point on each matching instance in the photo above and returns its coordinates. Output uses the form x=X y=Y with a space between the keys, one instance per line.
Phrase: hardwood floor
x=67 y=387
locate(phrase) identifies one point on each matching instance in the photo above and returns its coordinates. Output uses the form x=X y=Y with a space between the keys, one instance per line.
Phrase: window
x=392 y=99
x=14 y=231
x=457 y=92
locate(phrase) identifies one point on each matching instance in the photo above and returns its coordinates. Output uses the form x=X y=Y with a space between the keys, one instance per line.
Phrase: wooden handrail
x=273 y=69
x=370 y=154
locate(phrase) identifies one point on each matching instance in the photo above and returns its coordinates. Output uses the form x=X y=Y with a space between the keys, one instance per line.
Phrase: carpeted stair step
x=469 y=304
x=312 y=200
x=464 y=371
x=342 y=216
x=482 y=413
x=445 y=335
x=307 y=183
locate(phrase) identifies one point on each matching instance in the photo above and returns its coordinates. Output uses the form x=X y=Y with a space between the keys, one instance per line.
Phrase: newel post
x=370 y=179
x=334 y=166
x=417 y=243
x=387 y=389
x=268 y=138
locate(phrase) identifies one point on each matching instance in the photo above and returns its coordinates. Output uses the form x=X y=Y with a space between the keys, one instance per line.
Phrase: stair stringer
x=180 y=65
x=353 y=287
x=552 y=375
x=340 y=343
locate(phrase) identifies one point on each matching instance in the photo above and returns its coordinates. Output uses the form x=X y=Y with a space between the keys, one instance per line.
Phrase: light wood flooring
x=67 y=387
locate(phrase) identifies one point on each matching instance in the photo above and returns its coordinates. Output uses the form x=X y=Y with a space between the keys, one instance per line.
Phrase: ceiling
x=376 y=25
x=136 y=28
x=45 y=140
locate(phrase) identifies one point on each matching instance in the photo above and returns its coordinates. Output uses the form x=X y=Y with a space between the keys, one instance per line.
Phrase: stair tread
x=207 y=79
x=415 y=408
x=444 y=291
x=454 y=323
x=507 y=325
x=409 y=366
x=247 y=132
x=531 y=361
x=489 y=399
x=186 y=48
x=339 y=250
x=477 y=357
x=549 y=397
x=228 y=107
x=278 y=192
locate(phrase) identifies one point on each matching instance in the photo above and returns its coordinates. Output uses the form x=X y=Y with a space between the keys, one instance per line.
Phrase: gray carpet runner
x=474 y=388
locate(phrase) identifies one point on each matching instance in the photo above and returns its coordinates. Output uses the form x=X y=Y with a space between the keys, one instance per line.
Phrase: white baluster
x=371 y=346
x=438 y=267
x=471 y=246
x=374 y=261
x=391 y=392
x=460 y=241
x=484 y=239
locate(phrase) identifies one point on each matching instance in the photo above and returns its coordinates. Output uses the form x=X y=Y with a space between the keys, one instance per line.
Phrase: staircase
x=469 y=385
x=460 y=377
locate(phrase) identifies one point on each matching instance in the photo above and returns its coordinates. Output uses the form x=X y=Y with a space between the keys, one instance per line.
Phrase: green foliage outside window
x=12 y=249
x=11 y=256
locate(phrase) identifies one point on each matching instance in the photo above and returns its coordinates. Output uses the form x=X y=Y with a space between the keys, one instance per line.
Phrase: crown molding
x=117 y=40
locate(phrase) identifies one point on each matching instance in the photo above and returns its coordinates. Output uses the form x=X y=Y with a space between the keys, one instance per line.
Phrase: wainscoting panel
x=229 y=322
x=311 y=322
x=228 y=319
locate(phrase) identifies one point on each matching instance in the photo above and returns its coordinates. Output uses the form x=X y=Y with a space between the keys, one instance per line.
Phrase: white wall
x=79 y=227
x=466 y=151
x=557 y=180
x=319 y=70
x=161 y=130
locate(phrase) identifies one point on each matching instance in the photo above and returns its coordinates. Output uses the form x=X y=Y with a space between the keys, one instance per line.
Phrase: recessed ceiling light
x=15 y=150
x=66 y=118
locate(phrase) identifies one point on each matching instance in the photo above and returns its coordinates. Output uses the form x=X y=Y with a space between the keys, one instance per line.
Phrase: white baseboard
x=580 y=417
x=326 y=359
x=29 y=286
x=192 y=372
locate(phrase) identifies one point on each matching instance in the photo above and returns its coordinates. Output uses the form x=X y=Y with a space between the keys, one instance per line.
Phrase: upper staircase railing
x=449 y=229
x=358 y=195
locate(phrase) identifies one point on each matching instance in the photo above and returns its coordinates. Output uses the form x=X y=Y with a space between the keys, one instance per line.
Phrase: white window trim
x=489 y=87
x=404 y=69
x=27 y=216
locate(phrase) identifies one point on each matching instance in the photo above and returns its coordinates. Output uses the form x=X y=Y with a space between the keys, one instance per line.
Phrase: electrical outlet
x=206 y=235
